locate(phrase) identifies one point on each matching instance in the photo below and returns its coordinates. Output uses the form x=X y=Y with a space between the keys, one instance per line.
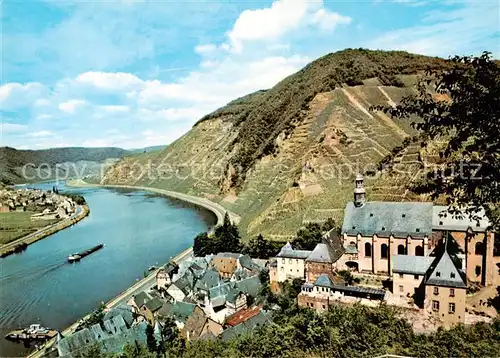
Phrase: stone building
x=408 y=275
x=321 y=261
x=291 y=263
x=445 y=289
x=373 y=232
x=475 y=239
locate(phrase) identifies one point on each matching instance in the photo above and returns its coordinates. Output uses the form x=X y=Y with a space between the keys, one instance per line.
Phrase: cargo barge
x=81 y=255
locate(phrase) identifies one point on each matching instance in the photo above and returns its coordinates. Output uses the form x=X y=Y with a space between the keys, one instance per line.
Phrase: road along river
x=138 y=230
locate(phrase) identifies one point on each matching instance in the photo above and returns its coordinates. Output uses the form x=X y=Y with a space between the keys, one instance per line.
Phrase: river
x=138 y=230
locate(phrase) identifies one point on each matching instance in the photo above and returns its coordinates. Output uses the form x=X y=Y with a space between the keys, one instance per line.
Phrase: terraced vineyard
x=308 y=173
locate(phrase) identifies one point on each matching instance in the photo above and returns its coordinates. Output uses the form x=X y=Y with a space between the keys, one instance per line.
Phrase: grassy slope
x=302 y=165
x=15 y=225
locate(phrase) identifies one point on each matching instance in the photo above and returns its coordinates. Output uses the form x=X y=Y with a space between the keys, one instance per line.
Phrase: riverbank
x=82 y=211
x=121 y=298
x=215 y=208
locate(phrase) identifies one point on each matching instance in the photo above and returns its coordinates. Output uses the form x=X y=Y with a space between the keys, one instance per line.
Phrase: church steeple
x=359 y=191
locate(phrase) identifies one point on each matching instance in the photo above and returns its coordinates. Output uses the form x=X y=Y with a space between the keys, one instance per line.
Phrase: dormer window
x=403 y=216
x=354 y=227
x=440 y=223
x=383 y=228
x=438 y=274
x=418 y=230
x=477 y=224
x=452 y=275
x=371 y=214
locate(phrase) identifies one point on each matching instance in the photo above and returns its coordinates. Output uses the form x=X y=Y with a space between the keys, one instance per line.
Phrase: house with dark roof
x=182 y=287
x=209 y=280
x=445 y=288
x=475 y=238
x=435 y=283
x=199 y=324
x=291 y=263
x=138 y=300
x=165 y=274
x=149 y=309
x=111 y=336
x=322 y=260
x=408 y=273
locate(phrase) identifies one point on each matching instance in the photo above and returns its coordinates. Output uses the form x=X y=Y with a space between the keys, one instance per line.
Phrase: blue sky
x=135 y=73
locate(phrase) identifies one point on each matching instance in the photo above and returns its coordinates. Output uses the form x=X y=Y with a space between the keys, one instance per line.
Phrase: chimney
x=359 y=192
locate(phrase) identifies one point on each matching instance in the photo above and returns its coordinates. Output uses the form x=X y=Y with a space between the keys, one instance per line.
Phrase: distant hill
x=41 y=164
x=288 y=155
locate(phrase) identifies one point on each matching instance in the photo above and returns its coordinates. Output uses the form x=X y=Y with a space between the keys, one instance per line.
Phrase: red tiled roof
x=243 y=315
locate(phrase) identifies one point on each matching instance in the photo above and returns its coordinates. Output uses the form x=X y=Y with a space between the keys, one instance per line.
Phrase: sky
x=132 y=73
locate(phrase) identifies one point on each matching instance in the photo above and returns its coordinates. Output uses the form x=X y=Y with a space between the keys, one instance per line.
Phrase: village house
x=149 y=309
x=291 y=263
x=475 y=239
x=322 y=261
x=164 y=276
x=225 y=263
x=198 y=325
x=137 y=301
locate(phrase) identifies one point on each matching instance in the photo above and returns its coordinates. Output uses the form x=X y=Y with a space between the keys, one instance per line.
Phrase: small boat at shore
x=78 y=256
x=34 y=332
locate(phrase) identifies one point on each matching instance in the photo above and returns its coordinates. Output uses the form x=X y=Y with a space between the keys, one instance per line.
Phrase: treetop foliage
x=462 y=105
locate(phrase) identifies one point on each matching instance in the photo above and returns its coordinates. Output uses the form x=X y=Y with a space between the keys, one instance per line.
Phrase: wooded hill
x=12 y=160
x=288 y=155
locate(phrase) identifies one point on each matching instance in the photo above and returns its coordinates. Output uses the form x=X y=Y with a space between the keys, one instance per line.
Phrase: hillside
x=287 y=155
x=40 y=164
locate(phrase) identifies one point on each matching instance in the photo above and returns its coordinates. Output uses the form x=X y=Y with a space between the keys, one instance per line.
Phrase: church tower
x=359 y=191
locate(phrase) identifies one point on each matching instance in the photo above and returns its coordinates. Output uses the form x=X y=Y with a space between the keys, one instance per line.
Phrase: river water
x=138 y=230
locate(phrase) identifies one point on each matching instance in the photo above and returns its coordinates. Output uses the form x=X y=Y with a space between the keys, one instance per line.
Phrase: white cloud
x=283 y=16
x=13 y=127
x=16 y=95
x=329 y=20
x=71 y=105
x=446 y=32
x=41 y=102
x=115 y=108
x=41 y=134
x=204 y=49
x=107 y=80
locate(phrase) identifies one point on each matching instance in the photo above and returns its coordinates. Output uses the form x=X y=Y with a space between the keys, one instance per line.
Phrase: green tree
x=151 y=342
x=136 y=350
x=227 y=237
x=308 y=237
x=463 y=105
x=201 y=244
x=328 y=225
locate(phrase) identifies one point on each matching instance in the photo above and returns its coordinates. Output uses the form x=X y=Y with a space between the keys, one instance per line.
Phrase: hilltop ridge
x=287 y=155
